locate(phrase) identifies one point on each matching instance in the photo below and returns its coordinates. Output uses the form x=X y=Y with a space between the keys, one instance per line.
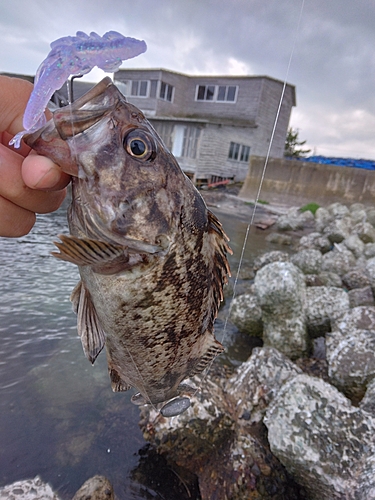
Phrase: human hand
x=29 y=183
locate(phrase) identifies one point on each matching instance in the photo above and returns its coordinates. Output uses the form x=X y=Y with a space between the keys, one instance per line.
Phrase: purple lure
x=74 y=56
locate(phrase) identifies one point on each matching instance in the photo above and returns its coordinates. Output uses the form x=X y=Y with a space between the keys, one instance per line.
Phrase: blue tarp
x=344 y=162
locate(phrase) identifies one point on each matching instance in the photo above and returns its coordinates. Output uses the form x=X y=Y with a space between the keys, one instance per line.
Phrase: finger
x=13 y=99
x=14 y=189
x=39 y=172
x=14 y=221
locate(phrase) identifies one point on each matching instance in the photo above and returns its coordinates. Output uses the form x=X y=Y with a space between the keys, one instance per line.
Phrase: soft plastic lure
x=74 y=56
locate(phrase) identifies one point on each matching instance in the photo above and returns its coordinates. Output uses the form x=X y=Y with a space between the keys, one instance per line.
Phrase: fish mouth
x=54 y=138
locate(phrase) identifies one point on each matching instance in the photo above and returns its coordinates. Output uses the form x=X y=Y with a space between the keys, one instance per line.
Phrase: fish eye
x=140 y=145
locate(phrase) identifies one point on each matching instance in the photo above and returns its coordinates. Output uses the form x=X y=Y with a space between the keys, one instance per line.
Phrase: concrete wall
x=297 y=183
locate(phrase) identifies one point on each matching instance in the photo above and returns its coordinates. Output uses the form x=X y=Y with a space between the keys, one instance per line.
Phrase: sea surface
x=59 y=418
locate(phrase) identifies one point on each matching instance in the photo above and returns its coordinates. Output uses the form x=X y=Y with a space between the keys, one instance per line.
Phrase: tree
x=291 y=145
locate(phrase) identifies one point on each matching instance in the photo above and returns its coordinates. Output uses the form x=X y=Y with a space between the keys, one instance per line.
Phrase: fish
x=74 y=56
x=152 y=258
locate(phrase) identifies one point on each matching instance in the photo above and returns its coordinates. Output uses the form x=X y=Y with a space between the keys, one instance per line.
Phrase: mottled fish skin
x=152 y=257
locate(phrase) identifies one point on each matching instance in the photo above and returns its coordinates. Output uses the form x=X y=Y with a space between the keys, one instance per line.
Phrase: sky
x=326 y=48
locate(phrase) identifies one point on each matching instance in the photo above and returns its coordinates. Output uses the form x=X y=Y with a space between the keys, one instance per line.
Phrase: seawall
x=292 y=182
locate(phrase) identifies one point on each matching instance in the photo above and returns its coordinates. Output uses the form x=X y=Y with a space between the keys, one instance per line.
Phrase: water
x=58 y=415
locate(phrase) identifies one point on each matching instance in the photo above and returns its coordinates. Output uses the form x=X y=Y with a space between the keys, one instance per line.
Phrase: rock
x=291 y=221
x=268 y=257
x=322 y=219
x=370 y=270
x=370 y=213
x=254 y=385
x=323 y=306
x=350 y=350
x=28 y=489
x=368 y=401
x=330 y=279
x=280 y=290
x=308 y=261
x=230 y=456
x=355 y=207
x=279 y=239
x=324 y=442
x=338 y=230
x=313 y=280
x=315 y=240
x=365 y=232
x=338 y=210
x=357 y=278
x=338 y=261
x=247 y=315
x=354 y=244
x=369 y=250
x=95 y=488
x=361 y=297
x=358 y=216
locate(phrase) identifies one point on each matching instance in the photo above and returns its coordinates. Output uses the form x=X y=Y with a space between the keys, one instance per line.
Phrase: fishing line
x=250 y=224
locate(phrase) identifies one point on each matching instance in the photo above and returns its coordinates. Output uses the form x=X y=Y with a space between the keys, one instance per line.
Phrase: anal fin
x=88 y=325
x=214 y=349
x=117 y=384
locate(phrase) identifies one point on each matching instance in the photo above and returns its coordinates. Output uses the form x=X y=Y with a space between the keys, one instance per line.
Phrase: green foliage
x=312 y=207
x=292 y=143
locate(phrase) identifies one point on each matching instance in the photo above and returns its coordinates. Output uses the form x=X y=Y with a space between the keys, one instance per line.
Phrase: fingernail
x=49 y=179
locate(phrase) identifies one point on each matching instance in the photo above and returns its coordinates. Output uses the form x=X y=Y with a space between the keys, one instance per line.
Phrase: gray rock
x=268 y=257
x=280 y=290
x=350 y=351
x=95 y=488
x=358 y=215
x=355 y=207
x=370 y=212
x=338 y=230
x=28 y=489
x=357 y=278
x=315 y=240
x=354 y=244
x=322 y=219
x=291 y=221
x=259 y=380
x=368 y=401
x=365 y=232
x=323 y=306
x=369 y=250
x=338 y=210
x=324 y=442
x=338 y=261
x=361 y=297
x=370 y=270
x=309 y=261
x=247 y=315
x=330 y=279
x=279 y=239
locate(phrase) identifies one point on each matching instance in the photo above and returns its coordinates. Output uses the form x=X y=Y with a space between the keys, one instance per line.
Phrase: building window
x=217 y=93
x=165 y=130
x=239 y=152
x=140 y=88
x=166 y=91
x=185 y=141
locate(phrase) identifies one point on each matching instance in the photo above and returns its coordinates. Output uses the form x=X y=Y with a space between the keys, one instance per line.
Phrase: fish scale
x=152 y=275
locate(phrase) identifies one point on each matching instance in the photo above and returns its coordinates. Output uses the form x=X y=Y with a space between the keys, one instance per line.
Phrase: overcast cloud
x=333 y=64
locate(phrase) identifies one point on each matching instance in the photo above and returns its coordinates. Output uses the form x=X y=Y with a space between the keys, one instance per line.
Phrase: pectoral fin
x=87 y=252
x=89 y=329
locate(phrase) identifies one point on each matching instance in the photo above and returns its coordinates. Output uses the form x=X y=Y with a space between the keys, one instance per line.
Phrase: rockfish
x=152 y=258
